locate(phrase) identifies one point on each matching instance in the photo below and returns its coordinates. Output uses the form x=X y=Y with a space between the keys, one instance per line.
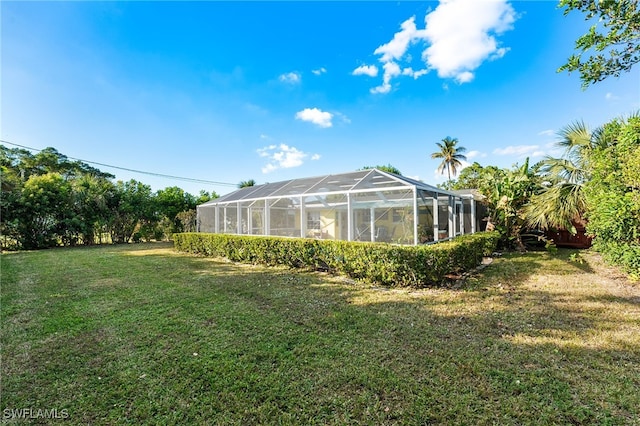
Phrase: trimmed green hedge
x=390 y=265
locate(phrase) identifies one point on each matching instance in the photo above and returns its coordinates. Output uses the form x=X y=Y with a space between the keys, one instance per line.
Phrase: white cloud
x=291 y=78
x=264 y=152
x=547 y=132
x=391 y=69
x=520 y=150
x=459 y=35
x=283 y=156
x=398 y=46
x=315 y=116
x=415 y=74
x=464 y=77
x=370 y=70
x=343 y=117
x=319 y=71
x=611 y=97
x=475 y=154
x=462 y=33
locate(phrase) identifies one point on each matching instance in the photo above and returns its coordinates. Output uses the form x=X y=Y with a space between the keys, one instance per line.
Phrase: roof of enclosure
x=371 y=179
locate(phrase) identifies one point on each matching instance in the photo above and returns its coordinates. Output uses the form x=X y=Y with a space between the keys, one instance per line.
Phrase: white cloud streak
x=319 y=71
x=316 y=116
x=547 y=132
x=611 y=97
x=520 y=151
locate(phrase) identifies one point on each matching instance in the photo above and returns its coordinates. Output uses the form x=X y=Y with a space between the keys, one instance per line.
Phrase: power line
x=132 y=170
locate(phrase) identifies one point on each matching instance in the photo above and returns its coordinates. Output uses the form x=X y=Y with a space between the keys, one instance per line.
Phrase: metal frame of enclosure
x=366 y=205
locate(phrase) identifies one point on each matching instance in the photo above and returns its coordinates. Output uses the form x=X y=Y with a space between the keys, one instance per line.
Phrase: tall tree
x=612 y=44
x=132 y=205
x=451 y=156
x=246 y=183
x=90 y=213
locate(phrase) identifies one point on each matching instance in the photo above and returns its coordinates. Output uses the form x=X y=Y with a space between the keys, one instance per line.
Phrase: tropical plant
x=247 y=183
x=561 y=201
x=506 y=192
x=451 y=156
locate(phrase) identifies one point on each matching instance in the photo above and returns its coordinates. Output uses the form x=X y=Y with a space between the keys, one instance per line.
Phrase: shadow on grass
x=172 y=338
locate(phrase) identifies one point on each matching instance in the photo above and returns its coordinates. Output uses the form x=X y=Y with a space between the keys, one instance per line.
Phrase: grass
x=140 y=334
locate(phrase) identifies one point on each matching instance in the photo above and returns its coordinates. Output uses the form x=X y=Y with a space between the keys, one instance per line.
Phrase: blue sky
x=230 y=91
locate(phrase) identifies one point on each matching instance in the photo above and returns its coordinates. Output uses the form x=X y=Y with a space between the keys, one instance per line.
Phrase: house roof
x=359 y=181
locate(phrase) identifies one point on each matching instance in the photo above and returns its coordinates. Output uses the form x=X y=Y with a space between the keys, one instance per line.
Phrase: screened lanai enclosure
x=366 y=205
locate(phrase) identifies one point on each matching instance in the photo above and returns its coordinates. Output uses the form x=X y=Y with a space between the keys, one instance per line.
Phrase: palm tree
x=451 y=156
x=561 y=203
x=246 y=183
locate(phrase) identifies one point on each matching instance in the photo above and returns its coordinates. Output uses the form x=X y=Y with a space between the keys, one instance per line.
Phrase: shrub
x=390 y=265
x=624 y=254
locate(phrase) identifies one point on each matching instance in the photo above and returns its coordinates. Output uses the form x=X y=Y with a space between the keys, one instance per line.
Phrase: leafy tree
x=613 y=193
x=48 y=199
x=611 y=46
x=131 y=206
x=205 y=196
x=475 y=176
x=388 y=168
x=11 y=183
x=43 y=207
x=90 y=207
x=49 y=160
x=246 y=183
x=173 y=200
x=451 y=156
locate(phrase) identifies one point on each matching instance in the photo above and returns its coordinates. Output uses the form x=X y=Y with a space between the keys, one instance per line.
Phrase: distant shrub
x=390 y=265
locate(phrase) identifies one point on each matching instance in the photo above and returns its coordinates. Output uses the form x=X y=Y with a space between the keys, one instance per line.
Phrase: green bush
x=624 y=254
x=390 y=265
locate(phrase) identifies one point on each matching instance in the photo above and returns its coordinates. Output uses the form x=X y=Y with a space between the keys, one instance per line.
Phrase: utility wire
x=132 y=170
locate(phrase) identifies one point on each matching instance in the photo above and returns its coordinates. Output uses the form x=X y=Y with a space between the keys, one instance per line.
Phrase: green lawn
x=142 y=334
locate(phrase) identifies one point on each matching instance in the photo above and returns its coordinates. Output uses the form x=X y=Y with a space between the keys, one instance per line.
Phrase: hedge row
x=390 y=265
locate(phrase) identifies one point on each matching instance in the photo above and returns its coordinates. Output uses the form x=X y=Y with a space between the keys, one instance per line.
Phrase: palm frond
x=556 y=207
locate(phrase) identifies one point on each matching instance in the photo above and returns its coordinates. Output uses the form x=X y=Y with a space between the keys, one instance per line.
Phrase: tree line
x=49 y=200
